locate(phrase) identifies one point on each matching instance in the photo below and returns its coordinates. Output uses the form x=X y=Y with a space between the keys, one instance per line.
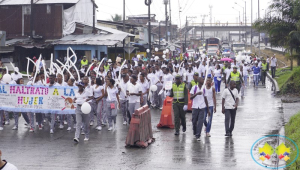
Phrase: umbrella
x=226 y=59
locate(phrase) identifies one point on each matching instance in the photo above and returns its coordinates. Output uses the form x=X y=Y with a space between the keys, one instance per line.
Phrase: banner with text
x=37 y=99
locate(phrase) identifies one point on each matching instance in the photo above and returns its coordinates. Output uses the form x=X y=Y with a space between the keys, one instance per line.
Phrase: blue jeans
x=208 y=123
x=245 y=80
x=217 y=84
x=256 y=79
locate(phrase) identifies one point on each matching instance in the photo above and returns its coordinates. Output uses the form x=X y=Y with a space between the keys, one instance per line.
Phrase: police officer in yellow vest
x=180 y=103
x=195 y=80
x=263 y=71
x=84 y=62
x=237 y=77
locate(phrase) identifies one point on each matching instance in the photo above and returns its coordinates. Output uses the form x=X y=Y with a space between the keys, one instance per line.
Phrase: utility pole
x=170 y=14
x=148 y=3
x=31 y=19
x=246 y=22
x=159 y=35
x=210 y=13
x=166 y=7
x=251 y=26
x=258 y=32
x=124 y=30
x=186 y=24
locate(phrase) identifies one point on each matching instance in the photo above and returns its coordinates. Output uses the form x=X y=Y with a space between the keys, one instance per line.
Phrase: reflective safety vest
x=264 y=66
x=84 y=63
x=177 y=58
x=193 y=83
x=106 y=68
x=235 y=76
x=178 y=92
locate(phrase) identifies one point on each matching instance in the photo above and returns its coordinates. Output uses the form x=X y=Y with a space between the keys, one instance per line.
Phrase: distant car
x=262 y=46
x=226 y=51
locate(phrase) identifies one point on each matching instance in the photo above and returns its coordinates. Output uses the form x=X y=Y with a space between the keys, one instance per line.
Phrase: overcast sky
x=222 y=9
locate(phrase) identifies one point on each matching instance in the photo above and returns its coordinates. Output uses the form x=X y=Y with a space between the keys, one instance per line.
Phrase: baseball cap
x=80 y=84
x=177 y=76
x=234 y=67
x=196 y=74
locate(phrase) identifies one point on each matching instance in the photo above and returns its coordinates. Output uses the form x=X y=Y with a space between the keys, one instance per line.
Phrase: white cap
x=109 y=61
x=16 y=69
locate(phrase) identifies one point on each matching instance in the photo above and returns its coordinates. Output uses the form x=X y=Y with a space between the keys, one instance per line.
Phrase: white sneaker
x=160 y=108
x=76 y=140
x=6 y=122
x=124 y=123
x=65 y=122
x=61 y=126
x=31 y=130
x=86 y=139
x=69 y=128
x=74 y=126
x=1 y=128
x=198 y=139
x=82 y=133
x=15 y=128
x=110 y=129
x=91 y=123
x=99 y=128
x=208 y=135
x=51 y=131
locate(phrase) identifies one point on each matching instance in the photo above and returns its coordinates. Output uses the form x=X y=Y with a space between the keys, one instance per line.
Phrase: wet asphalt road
x=259 y=114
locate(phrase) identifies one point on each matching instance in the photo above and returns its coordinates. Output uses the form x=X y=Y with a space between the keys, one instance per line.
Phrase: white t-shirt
x=202 y=70
x=198 y=101
x=9 y=166
x=227 y=72
x=134 y=89
x=81 y=98
x=97 y=91
x=189 y=76
x=111 y=94
x=209 y=94
x=229 y=102
x=144 y=86
x=62 y=84
x=167 y=77
x=217 y=73
x=15 y=76
x=245 y=70
x=158 y=74
x=153 y=79
x=174 y=74
x=124 y=87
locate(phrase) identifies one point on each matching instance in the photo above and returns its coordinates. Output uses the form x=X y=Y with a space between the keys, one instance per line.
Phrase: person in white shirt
x=112 y=100
x=189 y=76
x=246 y=70
x=145 y=88
x=16 y=75
x=198 y=107
x=202 y=70
x=273 y=65
x=123 y=97
x=230 y=101
x=217 y=74
x=227 y=72
x=157 y=98
x=210 y=94
x=4 y=165
x=134 y=91
x=60 y=82
x=98 y=90
x=81 y=96
x=71 y=82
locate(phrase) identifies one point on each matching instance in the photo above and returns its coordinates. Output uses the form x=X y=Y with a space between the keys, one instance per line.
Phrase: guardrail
x=275 y=87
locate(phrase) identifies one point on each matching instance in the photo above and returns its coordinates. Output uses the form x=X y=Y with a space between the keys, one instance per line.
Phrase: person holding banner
x=59 y=82
x=180 y=101
x=69 y=116
x=81 y=96
x=123 y=98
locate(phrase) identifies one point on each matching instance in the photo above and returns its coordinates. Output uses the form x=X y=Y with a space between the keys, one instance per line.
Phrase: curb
x=276 y=90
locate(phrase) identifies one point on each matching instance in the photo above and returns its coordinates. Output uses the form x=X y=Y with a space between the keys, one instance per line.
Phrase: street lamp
x=148 y=3
x=239 y=22
x=244 y=17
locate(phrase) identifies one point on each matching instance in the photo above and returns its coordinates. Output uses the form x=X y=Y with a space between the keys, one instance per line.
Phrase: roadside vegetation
x=288 y=80
x=292 y=131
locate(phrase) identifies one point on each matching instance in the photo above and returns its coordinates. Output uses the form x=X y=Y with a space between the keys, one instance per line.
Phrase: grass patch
x=288 y=81
x=292 y=131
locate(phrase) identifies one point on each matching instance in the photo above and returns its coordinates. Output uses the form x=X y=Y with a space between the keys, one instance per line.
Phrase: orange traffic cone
x=166 y=118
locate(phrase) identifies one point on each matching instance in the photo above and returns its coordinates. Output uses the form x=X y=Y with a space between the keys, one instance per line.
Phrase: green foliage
x=292 y=131
x=288 y=81
x=116 y=18
x=283 y=26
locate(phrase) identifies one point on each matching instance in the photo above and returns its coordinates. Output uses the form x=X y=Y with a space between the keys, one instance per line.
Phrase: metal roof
x=28 y=2
x=92 y=39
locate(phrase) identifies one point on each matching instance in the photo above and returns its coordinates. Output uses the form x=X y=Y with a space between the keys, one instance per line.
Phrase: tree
x=283 y=27
x=116 y=18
